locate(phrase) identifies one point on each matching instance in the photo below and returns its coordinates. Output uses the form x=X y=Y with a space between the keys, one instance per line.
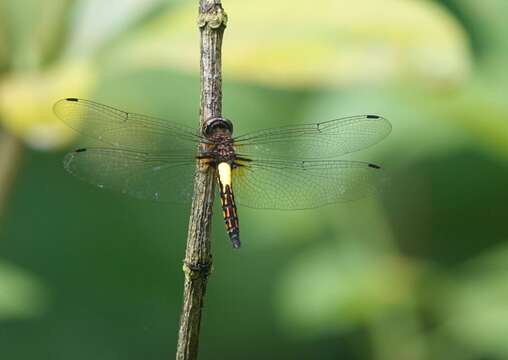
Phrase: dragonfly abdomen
x=230 y=215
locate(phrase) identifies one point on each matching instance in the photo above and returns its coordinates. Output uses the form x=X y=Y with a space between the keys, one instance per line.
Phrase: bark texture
x=198 y=257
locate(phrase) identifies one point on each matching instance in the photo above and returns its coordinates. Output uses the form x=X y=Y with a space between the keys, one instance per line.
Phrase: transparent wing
x=126 y=130
x=313 y=141
x=291 y=185
x=167 y=178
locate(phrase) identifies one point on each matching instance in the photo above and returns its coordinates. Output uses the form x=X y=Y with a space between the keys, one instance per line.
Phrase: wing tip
x=57 y=109
x=374 y=166
x=69 y=158
x=381 y=120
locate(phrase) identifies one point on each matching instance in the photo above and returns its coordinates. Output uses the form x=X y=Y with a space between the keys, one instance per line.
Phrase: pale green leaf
x=335 y=288
x=473 y=306
x=324 y=42
x=21 y=294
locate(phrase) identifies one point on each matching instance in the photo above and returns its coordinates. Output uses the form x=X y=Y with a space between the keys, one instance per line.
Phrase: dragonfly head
x=212 y=124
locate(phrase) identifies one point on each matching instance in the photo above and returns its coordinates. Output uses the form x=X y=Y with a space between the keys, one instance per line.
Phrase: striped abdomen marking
x=228 y=204
x=230 y=215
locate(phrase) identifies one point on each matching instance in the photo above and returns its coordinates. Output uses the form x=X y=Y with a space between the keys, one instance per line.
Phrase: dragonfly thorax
x=220 y=143
x=221 y=149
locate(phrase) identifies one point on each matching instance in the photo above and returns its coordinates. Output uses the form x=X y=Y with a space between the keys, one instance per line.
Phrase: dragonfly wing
x=125 y=130
x=292 y=185
x=156 y=177
x=313 y=141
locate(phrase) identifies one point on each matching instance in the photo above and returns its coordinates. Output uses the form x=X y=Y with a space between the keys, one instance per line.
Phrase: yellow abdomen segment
x=224 y=174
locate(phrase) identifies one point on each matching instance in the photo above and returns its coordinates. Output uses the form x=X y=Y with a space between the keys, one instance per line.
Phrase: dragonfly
x=284 y=168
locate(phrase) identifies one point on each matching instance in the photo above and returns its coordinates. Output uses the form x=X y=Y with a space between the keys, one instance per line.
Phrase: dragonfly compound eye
x=212 y=124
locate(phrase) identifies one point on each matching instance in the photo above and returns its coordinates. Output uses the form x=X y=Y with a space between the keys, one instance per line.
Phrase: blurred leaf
x=32 y=27
x=475 y=306
x=4 y=58
x=36 y=33
x=97 y=22
x=325 y=42
x=485 y=21
x=489 y=19
x=21 y=295
x=482 y=111
x=26 y=101
x=335 y=289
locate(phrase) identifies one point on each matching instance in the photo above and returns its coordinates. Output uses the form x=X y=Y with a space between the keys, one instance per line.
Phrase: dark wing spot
x=80 y=150
x=374 y=166
x=72 y=99
x=373 y=117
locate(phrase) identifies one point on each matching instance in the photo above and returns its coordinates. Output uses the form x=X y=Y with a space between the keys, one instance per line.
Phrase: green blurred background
x=418 y=272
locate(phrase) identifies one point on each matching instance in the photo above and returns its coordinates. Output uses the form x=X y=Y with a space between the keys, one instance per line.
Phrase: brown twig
x=198 y=259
